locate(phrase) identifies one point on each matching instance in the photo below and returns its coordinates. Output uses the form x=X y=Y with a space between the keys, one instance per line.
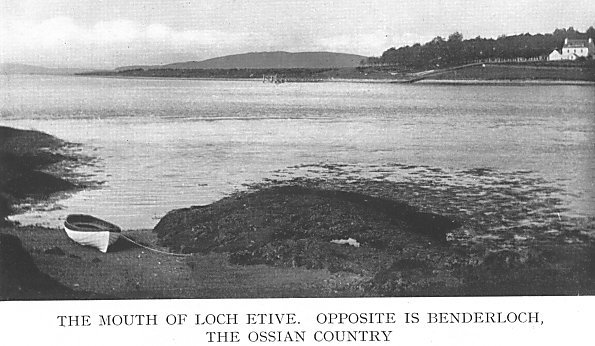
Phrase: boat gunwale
x=94 y=224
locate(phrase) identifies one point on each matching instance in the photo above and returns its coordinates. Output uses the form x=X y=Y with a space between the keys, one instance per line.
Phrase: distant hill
x=8 y=68
x=266 y=60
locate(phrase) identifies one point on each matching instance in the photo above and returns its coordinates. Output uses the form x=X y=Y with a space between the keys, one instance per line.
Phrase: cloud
x=107 y=41
x=110 y=32
x=377 y=41
x=63 y=29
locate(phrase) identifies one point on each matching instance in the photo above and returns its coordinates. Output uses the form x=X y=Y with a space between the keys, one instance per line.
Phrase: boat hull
x=100 y=240
x=90 y=231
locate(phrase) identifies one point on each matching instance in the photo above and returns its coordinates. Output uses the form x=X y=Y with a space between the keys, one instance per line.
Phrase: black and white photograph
x=294 y=150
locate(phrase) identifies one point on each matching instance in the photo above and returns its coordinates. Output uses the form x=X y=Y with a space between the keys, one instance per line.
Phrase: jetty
x=273 y=79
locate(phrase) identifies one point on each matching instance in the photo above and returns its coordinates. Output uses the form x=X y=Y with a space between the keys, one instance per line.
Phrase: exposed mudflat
x=506 y=233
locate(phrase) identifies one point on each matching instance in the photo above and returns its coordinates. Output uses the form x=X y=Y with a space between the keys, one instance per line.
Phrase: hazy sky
x=112 y=33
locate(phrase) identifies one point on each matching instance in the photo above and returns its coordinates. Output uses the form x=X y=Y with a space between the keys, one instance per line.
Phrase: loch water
x=162 y=144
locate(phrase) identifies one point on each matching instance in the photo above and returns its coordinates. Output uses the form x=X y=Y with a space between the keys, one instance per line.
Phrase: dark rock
x=293 y=226
x=35 y=183
x=23 y=156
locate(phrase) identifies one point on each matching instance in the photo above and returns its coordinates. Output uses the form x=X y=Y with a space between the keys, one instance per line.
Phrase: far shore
x=469 y=74
x=472 y=73
x=375 y=81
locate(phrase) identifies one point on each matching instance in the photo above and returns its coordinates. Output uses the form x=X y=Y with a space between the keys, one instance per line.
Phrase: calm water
x=166 y=144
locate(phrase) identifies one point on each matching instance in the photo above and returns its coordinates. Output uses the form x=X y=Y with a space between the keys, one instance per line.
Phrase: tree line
x=454 y=50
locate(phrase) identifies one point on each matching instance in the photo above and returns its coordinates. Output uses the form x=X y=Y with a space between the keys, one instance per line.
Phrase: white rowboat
x=90 y=231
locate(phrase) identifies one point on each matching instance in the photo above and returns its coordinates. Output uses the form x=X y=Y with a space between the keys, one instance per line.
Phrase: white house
x=574 y=49
x=582 y=48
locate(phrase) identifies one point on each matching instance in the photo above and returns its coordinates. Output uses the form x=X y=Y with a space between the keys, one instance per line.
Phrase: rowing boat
x=90 y=231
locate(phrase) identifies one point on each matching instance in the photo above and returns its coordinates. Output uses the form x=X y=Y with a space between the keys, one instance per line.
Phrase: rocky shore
x=24 y=158
x=401 y=249
x=464 y=233
x=24 y=155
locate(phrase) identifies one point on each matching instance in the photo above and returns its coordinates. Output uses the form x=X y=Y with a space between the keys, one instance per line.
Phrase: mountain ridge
x=264 y=60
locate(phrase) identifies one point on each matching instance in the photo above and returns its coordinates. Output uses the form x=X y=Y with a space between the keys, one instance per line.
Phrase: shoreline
x=32 y=167
x=294 y=239
x=473 y=74
x=503 y=82
x=310 y=266
x=373 y=81
x=25 y=159
x=428 y=81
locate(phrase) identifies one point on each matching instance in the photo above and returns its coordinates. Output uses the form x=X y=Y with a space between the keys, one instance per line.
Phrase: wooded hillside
x=454 y=50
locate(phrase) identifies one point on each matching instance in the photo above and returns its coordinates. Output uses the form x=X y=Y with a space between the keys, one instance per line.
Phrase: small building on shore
x=574 y=49
x=555 y=56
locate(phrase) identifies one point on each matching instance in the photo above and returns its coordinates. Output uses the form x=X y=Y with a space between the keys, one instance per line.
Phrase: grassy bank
x=583 y=72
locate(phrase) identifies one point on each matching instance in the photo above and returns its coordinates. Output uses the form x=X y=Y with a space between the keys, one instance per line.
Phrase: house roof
x=576 y=44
